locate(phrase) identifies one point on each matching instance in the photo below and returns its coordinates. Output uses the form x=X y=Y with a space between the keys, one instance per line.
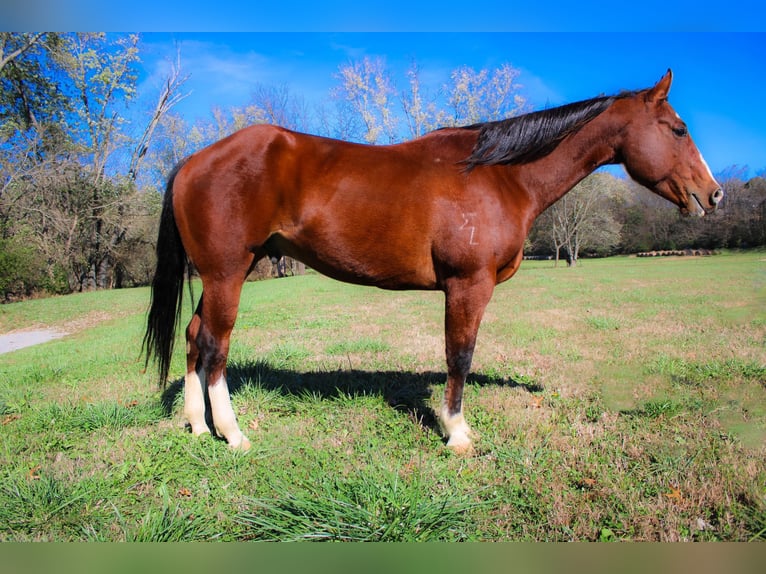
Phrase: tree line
x=81 y=182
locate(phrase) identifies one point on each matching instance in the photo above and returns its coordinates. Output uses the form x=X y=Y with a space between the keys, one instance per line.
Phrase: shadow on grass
x=404 y=391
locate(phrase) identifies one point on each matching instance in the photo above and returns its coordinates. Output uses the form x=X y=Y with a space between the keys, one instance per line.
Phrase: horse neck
x=577 y=156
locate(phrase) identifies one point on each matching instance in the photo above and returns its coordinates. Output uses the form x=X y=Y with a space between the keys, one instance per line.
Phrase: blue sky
x=566 y=50
x=719 y=78
x=385 y=15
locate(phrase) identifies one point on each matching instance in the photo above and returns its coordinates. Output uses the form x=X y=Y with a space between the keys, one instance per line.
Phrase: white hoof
x=457 y=431
x=242 y=444
x=459 y=443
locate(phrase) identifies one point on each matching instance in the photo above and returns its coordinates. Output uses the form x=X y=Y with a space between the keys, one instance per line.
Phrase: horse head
x=659 y=153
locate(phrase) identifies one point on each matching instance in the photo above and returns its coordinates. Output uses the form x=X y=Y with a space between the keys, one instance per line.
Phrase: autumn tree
x=368 y=90
x=419 y=106
x=482 y=95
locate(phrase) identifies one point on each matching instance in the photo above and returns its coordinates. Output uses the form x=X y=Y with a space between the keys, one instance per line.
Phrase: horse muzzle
x=699 y=207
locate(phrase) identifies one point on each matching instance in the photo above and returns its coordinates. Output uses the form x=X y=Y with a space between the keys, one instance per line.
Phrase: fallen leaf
x=184 y=492
x=33 y=472
x=537 y=402
x=253 y=424
x=675 y=493
x=10 y=418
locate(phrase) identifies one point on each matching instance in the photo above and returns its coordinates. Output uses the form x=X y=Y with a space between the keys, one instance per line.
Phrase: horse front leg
x=465 y=304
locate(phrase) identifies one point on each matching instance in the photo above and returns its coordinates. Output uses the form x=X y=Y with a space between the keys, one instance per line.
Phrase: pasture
x=623 y=400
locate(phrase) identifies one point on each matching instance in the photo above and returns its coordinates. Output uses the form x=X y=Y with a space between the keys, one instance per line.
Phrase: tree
x=583 y=219
x=104 y=79
x=173 y=140
x=367 y=87
x=12 y=46
x=30 y=95
x=740 y=223
x=277 y=105
x=649 y=221
x=420 y=110
x=484 y=95
x=68 y=167
x=370 y=95
x=169 y=97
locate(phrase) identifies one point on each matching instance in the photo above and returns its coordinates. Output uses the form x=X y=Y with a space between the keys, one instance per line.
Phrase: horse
x=447 y=211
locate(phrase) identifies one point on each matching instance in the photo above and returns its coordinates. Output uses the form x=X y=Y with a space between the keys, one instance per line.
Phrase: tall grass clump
x=371 y=507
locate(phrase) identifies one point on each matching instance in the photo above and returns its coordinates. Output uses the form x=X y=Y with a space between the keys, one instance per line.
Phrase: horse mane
x=531 y=136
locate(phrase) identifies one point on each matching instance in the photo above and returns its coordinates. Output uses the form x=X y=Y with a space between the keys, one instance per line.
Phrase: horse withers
x=447 y=211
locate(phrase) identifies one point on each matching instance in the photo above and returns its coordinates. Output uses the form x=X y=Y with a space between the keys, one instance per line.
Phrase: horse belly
x=359 y=262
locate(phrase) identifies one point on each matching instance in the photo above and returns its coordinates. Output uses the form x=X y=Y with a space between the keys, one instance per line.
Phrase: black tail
x=167 y=287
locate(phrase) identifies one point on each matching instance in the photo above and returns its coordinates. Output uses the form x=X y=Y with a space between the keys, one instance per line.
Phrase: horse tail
x=167 y=287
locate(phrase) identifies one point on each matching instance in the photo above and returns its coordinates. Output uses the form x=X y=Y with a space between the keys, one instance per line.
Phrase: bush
x=21 y=271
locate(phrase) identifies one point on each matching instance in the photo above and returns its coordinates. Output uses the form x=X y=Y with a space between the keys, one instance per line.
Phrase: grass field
x=623 y=400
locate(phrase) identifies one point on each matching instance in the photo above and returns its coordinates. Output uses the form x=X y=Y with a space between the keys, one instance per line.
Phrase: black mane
x=531 y=136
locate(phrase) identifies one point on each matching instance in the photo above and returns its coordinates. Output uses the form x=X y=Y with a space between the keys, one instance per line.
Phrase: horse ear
x=660 y=91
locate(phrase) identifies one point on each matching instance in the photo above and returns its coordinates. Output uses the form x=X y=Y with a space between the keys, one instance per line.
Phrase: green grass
x=379 y=507
x=623 y=400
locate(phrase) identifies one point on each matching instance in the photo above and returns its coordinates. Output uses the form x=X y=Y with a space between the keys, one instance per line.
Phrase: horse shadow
x=404 y=391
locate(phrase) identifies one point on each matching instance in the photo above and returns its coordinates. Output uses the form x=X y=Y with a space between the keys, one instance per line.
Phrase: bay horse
x=447 y=211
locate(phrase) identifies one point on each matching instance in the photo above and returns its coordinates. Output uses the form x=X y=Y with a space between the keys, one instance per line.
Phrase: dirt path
x=41 y=333
x=20 y=339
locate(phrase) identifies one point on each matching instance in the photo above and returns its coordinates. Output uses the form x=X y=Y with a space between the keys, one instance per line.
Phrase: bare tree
x=277 y=105
x=169 y=97
x=583 y=218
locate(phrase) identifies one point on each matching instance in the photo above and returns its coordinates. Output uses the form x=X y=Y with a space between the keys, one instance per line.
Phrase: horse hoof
x=461 y=449
x=243 y=445
x=460 y=445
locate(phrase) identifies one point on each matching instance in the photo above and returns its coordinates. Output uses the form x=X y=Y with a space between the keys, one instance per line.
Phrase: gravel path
x=20 y=339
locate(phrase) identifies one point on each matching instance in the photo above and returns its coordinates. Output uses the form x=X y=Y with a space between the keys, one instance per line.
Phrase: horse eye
x=680 y=131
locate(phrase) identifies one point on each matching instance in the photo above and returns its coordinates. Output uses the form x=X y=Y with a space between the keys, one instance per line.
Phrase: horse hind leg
x=195 y=383
x=217 y=318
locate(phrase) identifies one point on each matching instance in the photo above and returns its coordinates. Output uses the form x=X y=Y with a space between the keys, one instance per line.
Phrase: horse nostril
x=717 y=196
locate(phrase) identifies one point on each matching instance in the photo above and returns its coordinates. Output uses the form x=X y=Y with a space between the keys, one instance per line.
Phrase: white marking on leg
x=194 y=402
x=456 y=429
x=224 y=419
